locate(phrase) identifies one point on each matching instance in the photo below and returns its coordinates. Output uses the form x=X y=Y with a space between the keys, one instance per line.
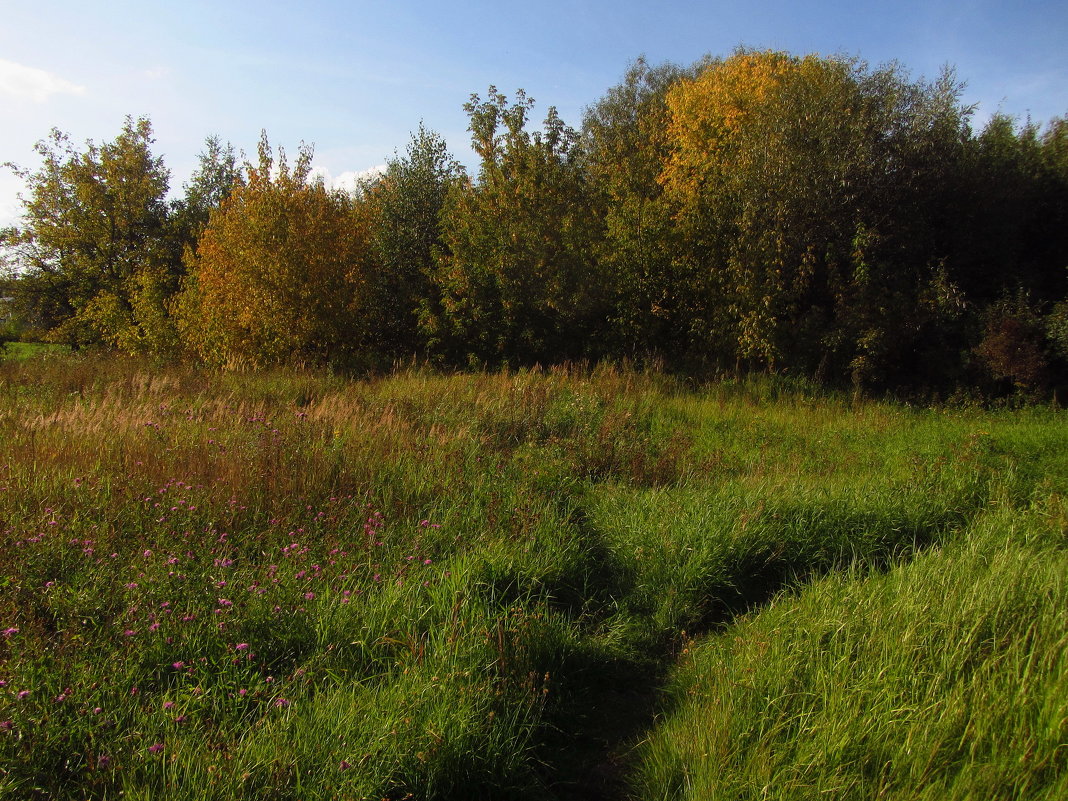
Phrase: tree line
x=763 y=211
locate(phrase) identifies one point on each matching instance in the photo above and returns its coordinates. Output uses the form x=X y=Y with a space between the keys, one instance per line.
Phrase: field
x=561 y=584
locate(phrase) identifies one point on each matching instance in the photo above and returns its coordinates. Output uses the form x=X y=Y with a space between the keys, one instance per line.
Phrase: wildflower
x=344 y=765
x=225 y=603
x=281 y=702
x=129 y=633
x=309 y=596
x=155 y=748
x=181 y=719
x=6 y=725
x=102 y=761
x=147 y=553
x=178 y=665
x=168 y=704
x=241 y=646
x=23 y=694
x=8 y=632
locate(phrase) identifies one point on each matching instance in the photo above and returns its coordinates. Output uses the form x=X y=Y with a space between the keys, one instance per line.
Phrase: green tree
x=623 y=148
x=802 y=188
x=406 y=205
x=93 y=249
x=215 y=177
x=517 y=277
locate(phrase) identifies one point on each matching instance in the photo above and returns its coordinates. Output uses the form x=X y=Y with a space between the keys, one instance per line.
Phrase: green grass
x=289 y=585
x=29 y=350
x=945 y=678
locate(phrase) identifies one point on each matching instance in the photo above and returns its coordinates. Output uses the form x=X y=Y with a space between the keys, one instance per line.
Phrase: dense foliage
x=764 y=211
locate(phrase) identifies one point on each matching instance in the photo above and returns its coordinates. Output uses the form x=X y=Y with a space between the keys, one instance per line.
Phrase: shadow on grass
x=608 y=698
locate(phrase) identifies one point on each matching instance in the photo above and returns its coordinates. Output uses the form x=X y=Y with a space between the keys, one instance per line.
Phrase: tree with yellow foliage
x=280 y=273
x=794 y=181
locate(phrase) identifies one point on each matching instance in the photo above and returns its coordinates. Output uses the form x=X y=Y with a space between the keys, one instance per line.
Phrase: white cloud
x=350 y=180
x=30 y=83
x=10 y=205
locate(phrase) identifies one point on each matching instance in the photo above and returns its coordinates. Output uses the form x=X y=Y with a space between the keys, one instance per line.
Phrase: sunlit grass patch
x=943 y=678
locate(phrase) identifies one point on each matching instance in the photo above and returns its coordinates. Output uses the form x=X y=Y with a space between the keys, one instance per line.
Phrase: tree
x=803 y=191
x=212 y=182
x=516 y=280
x=281 y=271
x=93 y=250
x=623 y=148
x=406 y=204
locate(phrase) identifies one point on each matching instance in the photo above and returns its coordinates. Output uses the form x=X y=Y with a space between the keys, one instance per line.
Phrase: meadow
x=544 y=584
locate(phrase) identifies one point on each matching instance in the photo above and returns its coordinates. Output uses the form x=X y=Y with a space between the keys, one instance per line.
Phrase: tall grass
x=291 y=585
x=944 y=678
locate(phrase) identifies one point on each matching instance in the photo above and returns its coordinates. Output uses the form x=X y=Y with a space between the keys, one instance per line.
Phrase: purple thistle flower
x=155 y=748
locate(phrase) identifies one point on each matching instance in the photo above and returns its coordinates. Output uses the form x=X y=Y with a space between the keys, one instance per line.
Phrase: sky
x=354 y=79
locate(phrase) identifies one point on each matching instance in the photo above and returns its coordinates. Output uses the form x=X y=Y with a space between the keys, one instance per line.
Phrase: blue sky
x=355 y=78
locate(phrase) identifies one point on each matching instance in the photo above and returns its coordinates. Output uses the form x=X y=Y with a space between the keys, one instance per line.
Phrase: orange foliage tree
x=281 y=272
